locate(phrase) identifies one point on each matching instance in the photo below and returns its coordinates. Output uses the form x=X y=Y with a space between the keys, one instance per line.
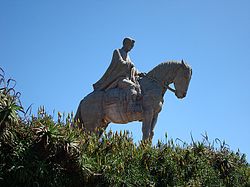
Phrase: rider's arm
x=118 y=57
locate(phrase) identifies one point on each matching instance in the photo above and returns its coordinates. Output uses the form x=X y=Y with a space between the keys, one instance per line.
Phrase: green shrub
x=41 y=151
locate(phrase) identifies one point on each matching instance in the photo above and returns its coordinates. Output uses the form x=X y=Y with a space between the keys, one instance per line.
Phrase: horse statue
x=100 y=108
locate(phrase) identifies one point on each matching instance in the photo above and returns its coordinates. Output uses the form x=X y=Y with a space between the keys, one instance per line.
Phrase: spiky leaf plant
x=43 y=151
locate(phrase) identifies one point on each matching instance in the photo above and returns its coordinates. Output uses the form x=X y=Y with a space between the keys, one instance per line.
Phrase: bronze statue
x=123 y=94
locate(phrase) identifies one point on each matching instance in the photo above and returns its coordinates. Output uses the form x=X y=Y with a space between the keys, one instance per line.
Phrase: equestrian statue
x=123 y=94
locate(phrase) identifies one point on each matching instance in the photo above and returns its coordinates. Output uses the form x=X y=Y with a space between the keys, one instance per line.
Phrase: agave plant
x=10 y=104
x=42 y=151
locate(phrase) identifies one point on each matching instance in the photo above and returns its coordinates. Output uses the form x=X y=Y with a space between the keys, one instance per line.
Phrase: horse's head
x=182 y=79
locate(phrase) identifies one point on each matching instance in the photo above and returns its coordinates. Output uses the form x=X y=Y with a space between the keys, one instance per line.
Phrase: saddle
x=118 y=98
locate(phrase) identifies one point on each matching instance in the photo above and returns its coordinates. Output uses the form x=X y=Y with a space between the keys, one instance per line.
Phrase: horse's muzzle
x=180 y=95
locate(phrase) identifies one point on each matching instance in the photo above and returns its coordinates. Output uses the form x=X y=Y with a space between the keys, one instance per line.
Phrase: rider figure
x=121 y=73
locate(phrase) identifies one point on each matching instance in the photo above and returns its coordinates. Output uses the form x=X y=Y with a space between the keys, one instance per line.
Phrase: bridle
x=164 y=85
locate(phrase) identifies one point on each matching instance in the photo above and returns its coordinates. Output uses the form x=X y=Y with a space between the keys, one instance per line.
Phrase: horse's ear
x=183 y=63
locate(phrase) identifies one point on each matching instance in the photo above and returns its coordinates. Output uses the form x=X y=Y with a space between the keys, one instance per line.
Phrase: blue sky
x=57 y=49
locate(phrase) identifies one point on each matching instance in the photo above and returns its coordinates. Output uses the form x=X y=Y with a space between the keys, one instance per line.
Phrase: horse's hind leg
x=101 y=128
x=97 y=126
x=78 y=117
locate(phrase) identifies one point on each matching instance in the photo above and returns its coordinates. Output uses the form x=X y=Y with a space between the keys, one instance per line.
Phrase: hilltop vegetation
x=40 y=151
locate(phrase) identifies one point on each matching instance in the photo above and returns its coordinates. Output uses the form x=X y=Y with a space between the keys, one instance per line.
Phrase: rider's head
x=128 y=44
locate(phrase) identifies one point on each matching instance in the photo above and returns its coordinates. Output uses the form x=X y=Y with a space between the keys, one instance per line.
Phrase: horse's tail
x=78 y=117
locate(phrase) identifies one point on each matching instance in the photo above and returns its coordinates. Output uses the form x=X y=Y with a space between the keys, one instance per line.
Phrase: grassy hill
x=40 y=151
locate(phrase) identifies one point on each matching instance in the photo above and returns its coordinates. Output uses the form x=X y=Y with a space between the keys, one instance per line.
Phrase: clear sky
x=57 y=49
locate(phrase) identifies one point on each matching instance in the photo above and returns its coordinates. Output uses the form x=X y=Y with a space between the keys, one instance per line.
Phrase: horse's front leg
x=153 y=123
x=146 y=125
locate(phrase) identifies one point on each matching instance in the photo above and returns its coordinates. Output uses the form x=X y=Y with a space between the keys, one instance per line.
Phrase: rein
x=165 y=86
x=171 y=89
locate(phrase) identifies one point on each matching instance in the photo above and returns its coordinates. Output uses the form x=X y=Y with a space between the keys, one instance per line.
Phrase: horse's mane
x=163 y=68
x=170 y=67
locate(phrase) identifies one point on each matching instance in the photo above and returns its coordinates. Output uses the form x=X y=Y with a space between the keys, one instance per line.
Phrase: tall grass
x=41 y=151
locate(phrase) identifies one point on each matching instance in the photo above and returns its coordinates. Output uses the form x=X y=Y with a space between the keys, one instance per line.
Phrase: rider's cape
x=117 y=70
